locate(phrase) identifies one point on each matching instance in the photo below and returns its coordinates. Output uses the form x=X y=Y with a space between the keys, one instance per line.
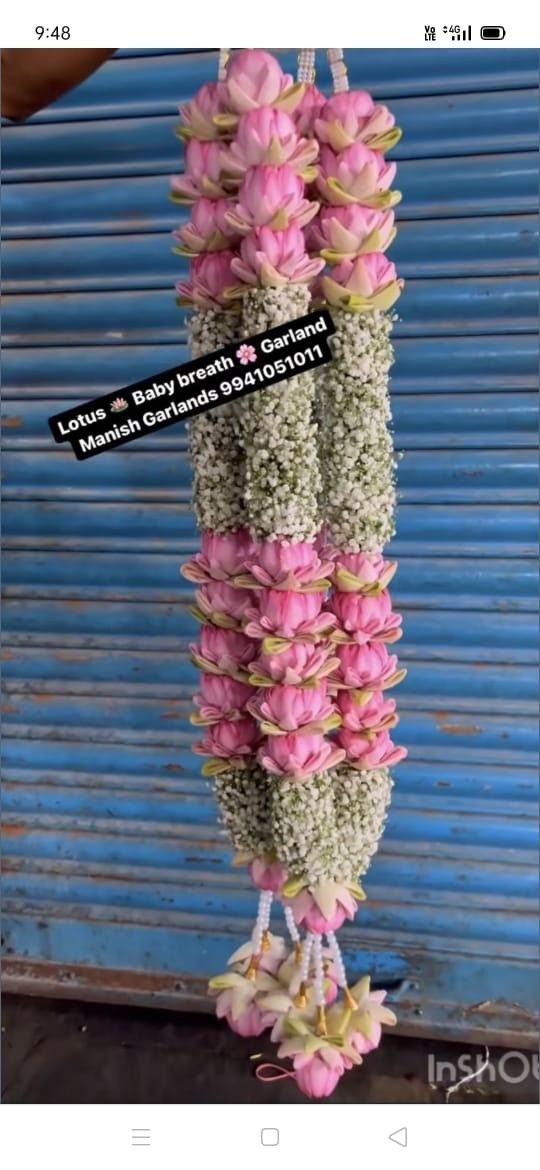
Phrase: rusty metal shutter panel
x=116 y=881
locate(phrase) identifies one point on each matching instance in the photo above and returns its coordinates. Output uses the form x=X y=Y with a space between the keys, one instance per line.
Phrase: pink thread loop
x=280 y=1073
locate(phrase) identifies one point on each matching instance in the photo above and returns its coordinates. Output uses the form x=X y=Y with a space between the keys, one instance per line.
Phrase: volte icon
x=399 y=1136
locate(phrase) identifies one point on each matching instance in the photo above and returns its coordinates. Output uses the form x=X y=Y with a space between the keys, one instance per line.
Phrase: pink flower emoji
x=289 y=615
x=356 y=175
x=212 y=277
x=370 y=751
x=343 y=233
x=273 y=259
x=246 y=354
x=273 y=197
x=362 y=572
x=282 y=709
x=362 y=618
x=222 y=557
x=366 y=668
x=274 y=564
x=298 y=664
x=373 y=714
x=255 y=78
x=369 y=282
x=298 y=756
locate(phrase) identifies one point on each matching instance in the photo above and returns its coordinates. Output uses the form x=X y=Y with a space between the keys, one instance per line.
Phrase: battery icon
x=492 y=32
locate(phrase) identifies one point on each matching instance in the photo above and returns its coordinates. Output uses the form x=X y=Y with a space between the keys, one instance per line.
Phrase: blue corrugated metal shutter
x=117 y=882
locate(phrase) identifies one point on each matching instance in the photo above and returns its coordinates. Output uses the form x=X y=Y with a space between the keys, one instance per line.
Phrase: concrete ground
x=70 y=1053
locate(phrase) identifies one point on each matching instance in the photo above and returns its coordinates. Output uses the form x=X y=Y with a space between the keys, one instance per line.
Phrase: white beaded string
x=306 y=66
x=341 y=974
x=319 y=971
x=263 y=920
x=222 y=63
x=291 y=924
x=306 y=956
x=338 y=70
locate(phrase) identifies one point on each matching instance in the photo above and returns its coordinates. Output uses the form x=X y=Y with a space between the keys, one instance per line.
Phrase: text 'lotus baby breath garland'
x=291 y=206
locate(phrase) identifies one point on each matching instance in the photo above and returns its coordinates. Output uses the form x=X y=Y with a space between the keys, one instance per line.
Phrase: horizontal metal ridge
x=143 y=82
x=427 y=365
x=428 y=583
x=435 y=126
x=463 y=420
x=465 y=530
x=482 y=246
x=430 y=476
x=428 y=307
x=483 y=185
x=420 y=785
x=439 y=930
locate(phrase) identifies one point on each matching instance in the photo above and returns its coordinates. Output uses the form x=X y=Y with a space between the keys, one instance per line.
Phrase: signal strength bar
x=463 y=35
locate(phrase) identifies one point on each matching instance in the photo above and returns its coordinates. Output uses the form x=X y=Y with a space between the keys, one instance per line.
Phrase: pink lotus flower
x=221 y=603
x=269 y=959
x=342 y=233
x=299 y=664
x=374 y=714
x=356 y=175
x=308 y=110
x=255 y=78
x=246 y=354
x=269 y=136
x=323 y=908
x=289 y=615
x=211 y=276
x=221 y=698
x=362 y=572
x=369 y=667
x=237 y=1003
x=362 y=618
x=222 y=651
x=272 y=197
x=204 y=172
x=368 y=751
x=267 y=875
x=208 y=229
x=352 y=117
x=280 y=710
x=274 y=564
x=221 y=558
x=272 y=259
x=229 y=740
x=365 y=1028
x=298 y=756
x=199 y=113
x=315 y=1076
x=369 y=282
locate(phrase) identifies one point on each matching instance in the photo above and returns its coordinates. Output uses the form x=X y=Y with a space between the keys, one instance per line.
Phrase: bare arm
x=33 y=78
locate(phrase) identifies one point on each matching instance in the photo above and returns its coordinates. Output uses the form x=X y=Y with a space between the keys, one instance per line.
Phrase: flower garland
x=295 y=505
